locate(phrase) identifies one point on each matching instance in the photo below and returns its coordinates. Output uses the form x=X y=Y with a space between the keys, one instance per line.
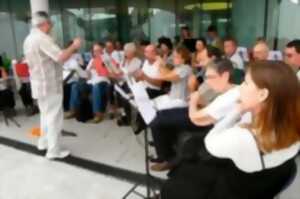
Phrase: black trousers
x=67 y=95
x=25 y=93
x=7 y=99
x=168 y=126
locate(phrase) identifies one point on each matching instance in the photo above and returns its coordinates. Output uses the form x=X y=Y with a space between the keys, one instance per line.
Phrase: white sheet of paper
x=143 y=102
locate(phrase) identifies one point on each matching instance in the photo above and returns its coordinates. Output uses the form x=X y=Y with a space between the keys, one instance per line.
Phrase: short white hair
x=131 y=47
x=39 y=17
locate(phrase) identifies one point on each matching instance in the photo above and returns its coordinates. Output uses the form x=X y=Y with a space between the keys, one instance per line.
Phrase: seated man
x=72 y=72
x=6 y=95
x=148 y=75
x=98 y=81
x=261 y=51
x=292 y=55
x=230 y=49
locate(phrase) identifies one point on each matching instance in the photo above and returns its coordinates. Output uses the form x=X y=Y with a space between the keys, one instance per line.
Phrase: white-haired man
x=45 y=60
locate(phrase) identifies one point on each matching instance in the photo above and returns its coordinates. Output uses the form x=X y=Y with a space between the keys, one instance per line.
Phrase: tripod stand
x=146 y=149
x=8 y=116
x=148 y=175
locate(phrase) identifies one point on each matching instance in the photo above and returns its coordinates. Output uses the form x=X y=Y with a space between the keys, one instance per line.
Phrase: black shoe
x=151 y=143
x=156 y=160
x=123 y=121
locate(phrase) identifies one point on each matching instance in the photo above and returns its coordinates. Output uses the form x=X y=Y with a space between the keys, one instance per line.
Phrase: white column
x=39 y=5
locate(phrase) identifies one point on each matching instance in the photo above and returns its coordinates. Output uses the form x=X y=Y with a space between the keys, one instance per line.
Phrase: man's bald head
x=150 y=52
x=261 y=51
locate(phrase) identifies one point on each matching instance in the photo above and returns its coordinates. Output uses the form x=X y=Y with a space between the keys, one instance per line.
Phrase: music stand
x=8 y=117
x=146 y=149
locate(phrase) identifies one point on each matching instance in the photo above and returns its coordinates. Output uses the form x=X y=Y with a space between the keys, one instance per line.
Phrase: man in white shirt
x=44 y=59
x=261 y=51
x=230 y=49
x=150 y=72
x=111 y=56
x=292 y=55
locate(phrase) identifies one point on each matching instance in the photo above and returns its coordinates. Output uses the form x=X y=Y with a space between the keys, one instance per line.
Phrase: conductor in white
x=45 y=61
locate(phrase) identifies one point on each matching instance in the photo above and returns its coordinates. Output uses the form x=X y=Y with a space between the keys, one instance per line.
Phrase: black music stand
x=9 y=116
x=149 y=177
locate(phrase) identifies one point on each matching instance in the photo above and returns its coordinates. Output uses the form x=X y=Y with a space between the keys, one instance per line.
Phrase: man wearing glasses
x=45 y=61
x=292 y=55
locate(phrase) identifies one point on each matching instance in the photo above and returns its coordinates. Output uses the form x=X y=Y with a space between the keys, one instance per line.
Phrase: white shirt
x=115 y=56
x=42 y=55
x=73 y=65
x=130 y=67
x=228 y=140
x=237 y=61
x=298 y=75
x=223 y=104
x=95 y=78
x=152 y=71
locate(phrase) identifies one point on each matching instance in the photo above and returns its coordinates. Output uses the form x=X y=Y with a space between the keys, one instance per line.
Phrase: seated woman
x=247 y=160
x=199 y=62
x=168 y=124
x=6 y=95
x=98 y=81
x=178 y=76
x=128 y=67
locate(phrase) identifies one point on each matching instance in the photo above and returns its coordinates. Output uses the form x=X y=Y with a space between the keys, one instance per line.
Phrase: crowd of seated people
x=219 y=134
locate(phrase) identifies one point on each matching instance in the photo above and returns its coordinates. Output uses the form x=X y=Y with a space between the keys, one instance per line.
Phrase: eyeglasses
x=288 y=55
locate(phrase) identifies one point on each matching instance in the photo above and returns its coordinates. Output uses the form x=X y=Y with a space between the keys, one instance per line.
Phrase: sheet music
x=143 y=102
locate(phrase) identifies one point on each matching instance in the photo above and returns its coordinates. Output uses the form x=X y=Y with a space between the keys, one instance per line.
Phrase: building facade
x=127 y=20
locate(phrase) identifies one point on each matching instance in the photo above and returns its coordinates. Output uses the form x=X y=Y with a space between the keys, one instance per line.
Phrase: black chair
x=289 y=181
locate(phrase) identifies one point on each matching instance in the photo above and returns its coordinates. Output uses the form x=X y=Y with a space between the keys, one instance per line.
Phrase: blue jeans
x=99 y=95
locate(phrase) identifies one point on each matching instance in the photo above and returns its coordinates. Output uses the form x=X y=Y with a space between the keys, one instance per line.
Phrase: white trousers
x=51 y=118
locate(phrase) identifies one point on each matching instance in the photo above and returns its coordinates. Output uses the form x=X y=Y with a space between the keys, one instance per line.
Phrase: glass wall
x=127 y=20
x=20 y=22
x=138 y=23
x=288 y=24
x=162 y=19
x=103 y=18
x=248 y=21
x=56 y=17
x=7 y=41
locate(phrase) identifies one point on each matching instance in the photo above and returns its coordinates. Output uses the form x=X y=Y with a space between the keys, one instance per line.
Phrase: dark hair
x=184 y=53
x=212 y=28
x=232 y=39
x=276 y=123
x=69 y=43
x=144 y=42
x=213 y=51
x=165 y=40
x=203 y=40
x=94 y=44
x=110 y=41
x=42 y=14
x=185 y=28
x=222 y=65
x=294 y=44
